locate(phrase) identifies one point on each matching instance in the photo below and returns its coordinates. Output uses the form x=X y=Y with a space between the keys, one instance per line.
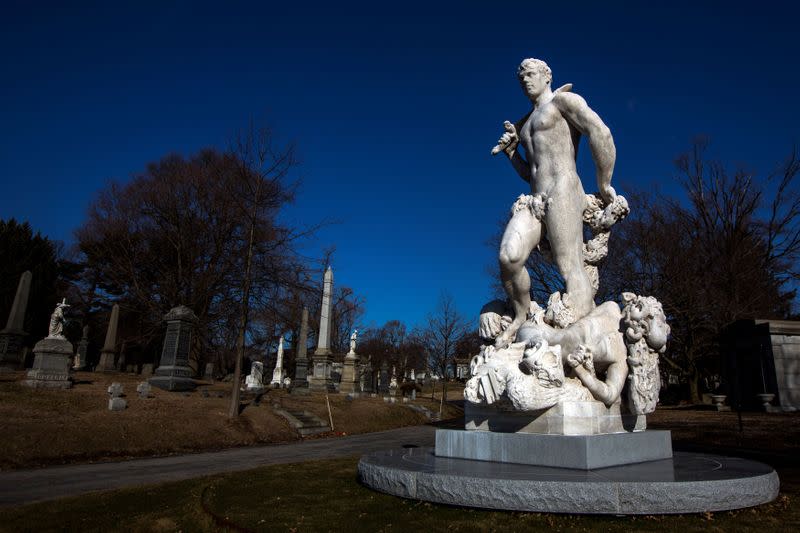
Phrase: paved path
x=26 y=486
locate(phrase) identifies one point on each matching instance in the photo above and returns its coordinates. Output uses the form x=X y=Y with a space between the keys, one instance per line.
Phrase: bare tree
x=440 y=335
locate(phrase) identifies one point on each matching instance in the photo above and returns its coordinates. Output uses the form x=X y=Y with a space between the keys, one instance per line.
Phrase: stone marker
x=109 y=351
x=173 y=373
x=301 y=355
x=116 y=402
x=143 y=389
x=350 y=379
x=83 y=345
x=52 y=356
x=383 y=377
x=277 y=374
x=320 y=379
x=147 y=370
x=208 y=375
x=255 y=379
x=13 y=335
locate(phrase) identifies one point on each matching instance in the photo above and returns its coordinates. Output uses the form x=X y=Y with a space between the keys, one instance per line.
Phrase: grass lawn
x=169 y=423
x=325 y=496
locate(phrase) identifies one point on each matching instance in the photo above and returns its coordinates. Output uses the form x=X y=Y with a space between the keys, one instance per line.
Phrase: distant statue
x=353 y=338
x=57 y=321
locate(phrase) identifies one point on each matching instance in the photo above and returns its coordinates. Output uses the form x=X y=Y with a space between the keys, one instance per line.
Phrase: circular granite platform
x=687 y=483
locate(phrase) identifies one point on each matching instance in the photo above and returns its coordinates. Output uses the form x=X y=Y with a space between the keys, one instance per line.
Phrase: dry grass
x=41 y=427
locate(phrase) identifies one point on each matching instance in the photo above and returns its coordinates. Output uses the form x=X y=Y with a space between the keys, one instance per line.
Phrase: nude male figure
x=549 y=135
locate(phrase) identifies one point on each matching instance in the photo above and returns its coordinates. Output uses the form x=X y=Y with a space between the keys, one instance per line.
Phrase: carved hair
x=535 y=65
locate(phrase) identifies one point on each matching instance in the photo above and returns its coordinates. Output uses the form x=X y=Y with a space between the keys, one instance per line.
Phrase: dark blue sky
x=394 y=110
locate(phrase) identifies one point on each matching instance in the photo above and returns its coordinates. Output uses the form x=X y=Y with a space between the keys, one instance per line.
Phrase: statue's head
x=535 y=76
x=643 y=317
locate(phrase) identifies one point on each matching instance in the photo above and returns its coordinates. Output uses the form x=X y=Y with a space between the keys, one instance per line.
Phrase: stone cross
x=109 y=350
x=12 y=335
x=115 y=390
x=116 y=402
x=325 y=315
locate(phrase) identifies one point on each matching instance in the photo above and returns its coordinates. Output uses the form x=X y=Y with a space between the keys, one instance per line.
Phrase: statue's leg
x=522 y=234
x=565 y=235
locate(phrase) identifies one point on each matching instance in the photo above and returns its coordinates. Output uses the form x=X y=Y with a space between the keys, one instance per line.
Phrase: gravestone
x=383 y=378
x=83 y=345
x=12 y=336
x=208 y=375
x=367 y=377
x=320 y=379
x=143 y=389
x=109 y=351
x=52 y=356
x=255 y=380
x=116 y=402
x=173 y=372
x=301 y=358
x=147 y=369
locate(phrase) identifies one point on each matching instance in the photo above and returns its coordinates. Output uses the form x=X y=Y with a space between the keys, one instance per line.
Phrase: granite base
x=584 y=452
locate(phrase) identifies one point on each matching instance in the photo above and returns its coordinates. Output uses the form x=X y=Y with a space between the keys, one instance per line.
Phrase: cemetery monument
x=53 y=355
x=564 y=387
x=13 y=335
x=322 y=362
x=173 y=372
x=278 y=373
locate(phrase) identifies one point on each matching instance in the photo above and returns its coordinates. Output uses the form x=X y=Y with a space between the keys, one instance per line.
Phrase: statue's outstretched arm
x=601 y=143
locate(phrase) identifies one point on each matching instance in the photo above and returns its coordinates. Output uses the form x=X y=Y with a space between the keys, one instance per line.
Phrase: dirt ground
x=46 y=427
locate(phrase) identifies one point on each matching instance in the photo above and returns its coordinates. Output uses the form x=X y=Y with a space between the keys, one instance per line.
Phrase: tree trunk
x=237 y=373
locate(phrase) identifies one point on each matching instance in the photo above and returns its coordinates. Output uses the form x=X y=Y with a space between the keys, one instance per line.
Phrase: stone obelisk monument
x=300 y=383
x=109 y=351
x=320 y=379
x=278 y=373
x=350 y=377
x=12 y=335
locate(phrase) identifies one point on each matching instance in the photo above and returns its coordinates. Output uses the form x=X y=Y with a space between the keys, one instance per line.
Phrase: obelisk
x=320 y=379
x=301 y=356
x=109 y=350
x=277 y=374
x=12 y=336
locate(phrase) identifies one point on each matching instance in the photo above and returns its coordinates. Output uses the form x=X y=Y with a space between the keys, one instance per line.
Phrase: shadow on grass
x=326 y=496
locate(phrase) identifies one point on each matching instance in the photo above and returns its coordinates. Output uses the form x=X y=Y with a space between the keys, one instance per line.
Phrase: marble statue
x=255 y=379
x=572 y=350
x=353 y=338
x=57 y=321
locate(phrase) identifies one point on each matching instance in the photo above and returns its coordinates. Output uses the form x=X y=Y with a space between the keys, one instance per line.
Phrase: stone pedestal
x=584 y=452
x=11 y=350
x=320 y=378
x=566 y=418
x=51 y=365
x=350 y=379
x=174 y=374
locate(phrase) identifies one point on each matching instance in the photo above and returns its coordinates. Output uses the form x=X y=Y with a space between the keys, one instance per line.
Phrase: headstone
x=143 y=389
x=12 y=336
x=320 y=379
x=109 y=351
x=301 y=355
x=116 y=402
x=83 y=345
x=208 y=375
x=383 y=379
x=367 y=377
x=173 y=373
x=147 y=369
x=115 y=390
x=52 y=356
x=255 y=380
x=414 y=393
x=277 y=374
x=287 y=382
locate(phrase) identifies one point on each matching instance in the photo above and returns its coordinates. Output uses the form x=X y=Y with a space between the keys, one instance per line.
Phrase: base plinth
x=173 y=378
x=584 y=452
x=51 y=365
x=687 y=483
